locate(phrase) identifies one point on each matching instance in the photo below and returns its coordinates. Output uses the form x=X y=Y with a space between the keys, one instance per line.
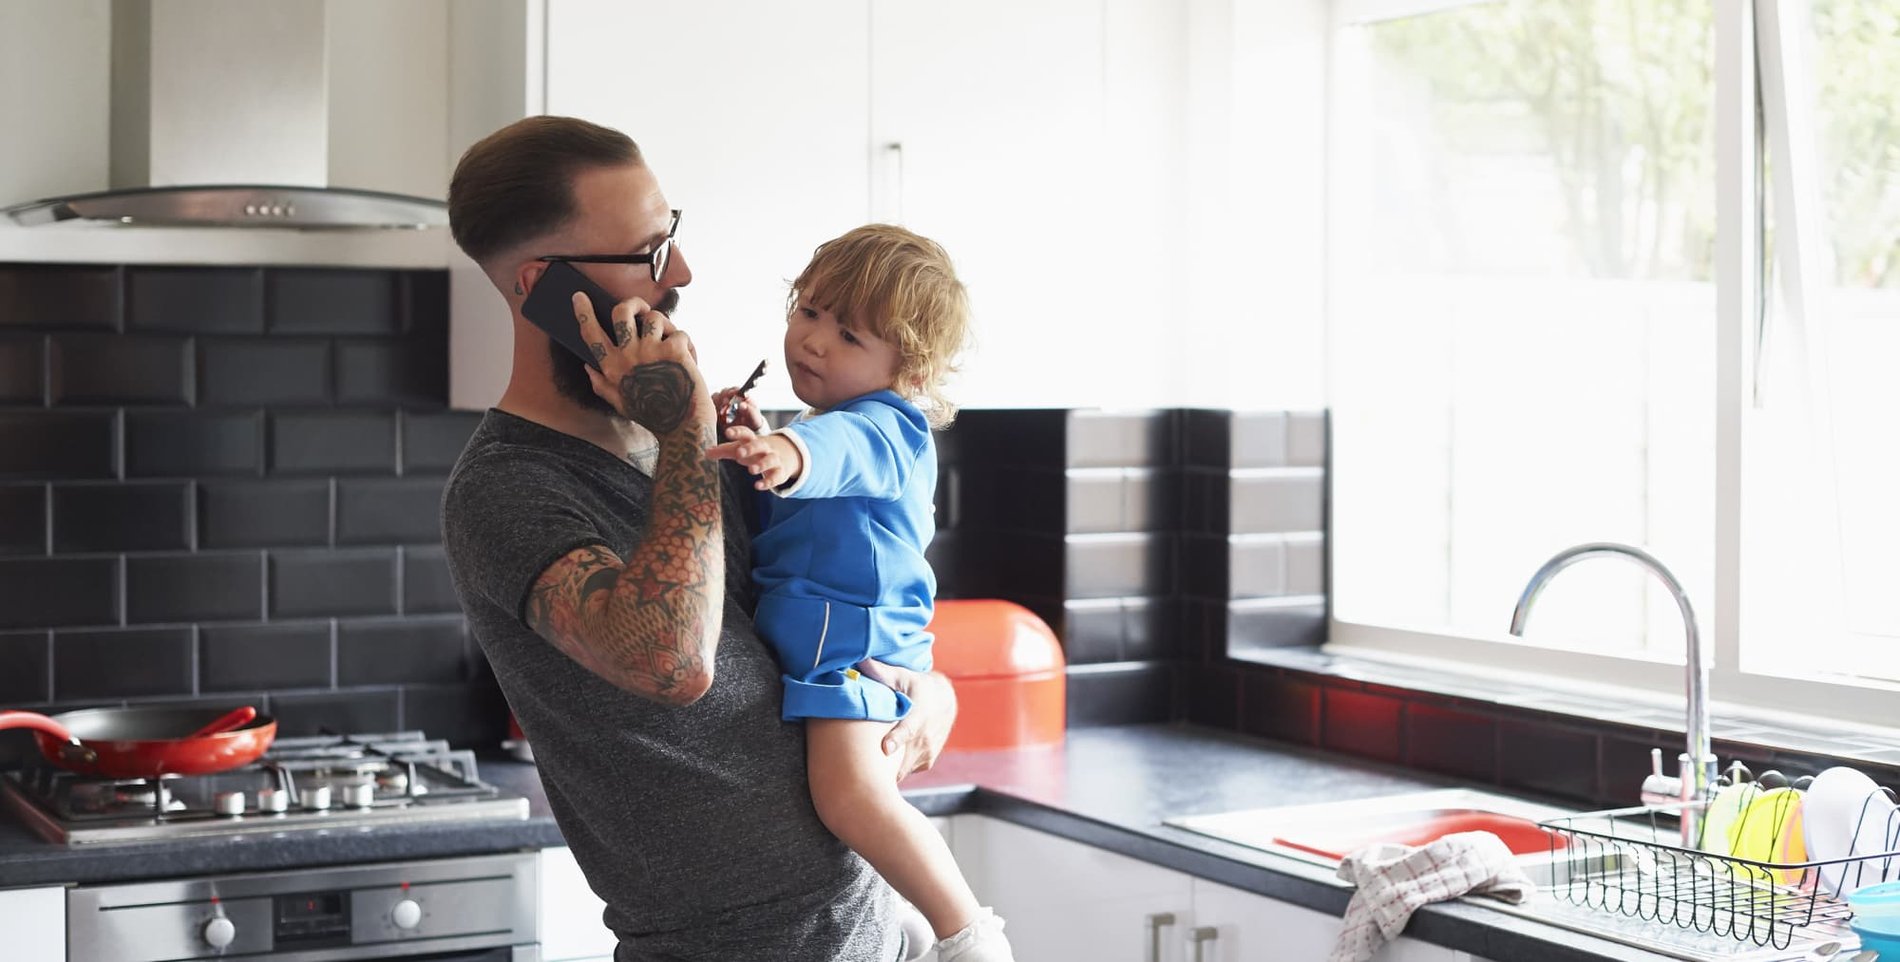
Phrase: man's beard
x=570 y=372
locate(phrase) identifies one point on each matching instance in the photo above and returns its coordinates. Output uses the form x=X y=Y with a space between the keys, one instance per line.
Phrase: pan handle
x=35 y=720
x=232 y=719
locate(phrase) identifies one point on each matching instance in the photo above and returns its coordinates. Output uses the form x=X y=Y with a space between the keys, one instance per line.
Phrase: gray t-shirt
x=694 y=824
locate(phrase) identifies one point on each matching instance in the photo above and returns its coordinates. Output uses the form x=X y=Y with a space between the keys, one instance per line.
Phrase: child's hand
x=748 y=414
x=770 y=458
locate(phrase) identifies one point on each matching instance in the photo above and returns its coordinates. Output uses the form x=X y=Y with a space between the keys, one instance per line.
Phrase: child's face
x=831 y=363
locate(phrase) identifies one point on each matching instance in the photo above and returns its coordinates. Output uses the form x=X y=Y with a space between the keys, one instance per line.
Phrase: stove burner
x=319 y=782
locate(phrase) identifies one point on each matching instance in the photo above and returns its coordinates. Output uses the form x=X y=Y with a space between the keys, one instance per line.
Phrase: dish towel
x=1394 y=880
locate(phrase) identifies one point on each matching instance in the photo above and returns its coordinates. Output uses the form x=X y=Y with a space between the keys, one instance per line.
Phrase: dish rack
x=1618 y=861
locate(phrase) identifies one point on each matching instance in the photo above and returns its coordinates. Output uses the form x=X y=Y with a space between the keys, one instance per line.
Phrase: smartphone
x=551 y=307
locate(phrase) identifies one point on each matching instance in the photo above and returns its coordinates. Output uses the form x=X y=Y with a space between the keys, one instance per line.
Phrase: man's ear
x=527 y=275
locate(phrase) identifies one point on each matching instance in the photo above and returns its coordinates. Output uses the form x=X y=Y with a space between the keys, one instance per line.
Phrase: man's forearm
x=659 y=624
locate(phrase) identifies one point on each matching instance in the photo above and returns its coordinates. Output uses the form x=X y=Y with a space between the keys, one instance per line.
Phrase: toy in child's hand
x=732 y=406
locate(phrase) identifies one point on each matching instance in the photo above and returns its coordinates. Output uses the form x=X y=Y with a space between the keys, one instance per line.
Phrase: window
x=1535 y=339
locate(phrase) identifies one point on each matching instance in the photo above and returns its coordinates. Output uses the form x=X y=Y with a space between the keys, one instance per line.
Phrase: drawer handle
x=1157 y=922
x=1200 y=936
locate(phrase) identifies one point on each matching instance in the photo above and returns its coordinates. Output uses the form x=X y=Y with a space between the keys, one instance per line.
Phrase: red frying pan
x=148 y=742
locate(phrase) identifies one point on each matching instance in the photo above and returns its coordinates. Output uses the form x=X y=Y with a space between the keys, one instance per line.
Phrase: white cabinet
x=1069 y=902
x=571 y=926
x=34 y=921
x=1237 y=926
x=1066 y=901
x=754 y=118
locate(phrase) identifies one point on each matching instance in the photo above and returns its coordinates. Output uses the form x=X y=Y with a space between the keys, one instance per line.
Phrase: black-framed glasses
x=658 y=258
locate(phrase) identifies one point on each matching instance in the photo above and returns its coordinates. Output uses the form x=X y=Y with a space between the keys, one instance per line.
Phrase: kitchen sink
x=1325 y=833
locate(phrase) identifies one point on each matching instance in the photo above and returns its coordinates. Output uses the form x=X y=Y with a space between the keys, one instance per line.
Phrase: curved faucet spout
x=1699 y=763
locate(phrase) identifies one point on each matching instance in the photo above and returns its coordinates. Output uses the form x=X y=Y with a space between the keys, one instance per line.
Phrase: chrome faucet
x=1696 y=767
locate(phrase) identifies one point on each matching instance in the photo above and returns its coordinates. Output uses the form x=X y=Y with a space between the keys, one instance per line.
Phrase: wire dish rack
x=1629 y=862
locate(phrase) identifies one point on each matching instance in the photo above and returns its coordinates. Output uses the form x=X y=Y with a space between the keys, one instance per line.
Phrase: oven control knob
x=274 y=800
x=406 y=914
x=228 y=803
x=317 y=798
x=360 y=796
x=219 y=932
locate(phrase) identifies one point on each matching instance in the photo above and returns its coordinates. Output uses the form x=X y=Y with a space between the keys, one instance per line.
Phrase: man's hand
x=651 y=378
x=919 y=736
x=771 y=458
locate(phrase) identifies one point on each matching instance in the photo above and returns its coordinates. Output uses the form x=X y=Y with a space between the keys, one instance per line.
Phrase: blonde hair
x=901 y=287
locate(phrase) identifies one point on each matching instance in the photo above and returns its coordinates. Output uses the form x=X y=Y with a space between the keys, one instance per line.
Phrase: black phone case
x=551 y=307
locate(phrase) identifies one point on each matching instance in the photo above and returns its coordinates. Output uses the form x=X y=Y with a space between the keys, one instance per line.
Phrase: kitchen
x=220 y=449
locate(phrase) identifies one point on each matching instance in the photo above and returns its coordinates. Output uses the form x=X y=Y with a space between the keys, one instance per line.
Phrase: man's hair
x=517 y=183
x=901 y=287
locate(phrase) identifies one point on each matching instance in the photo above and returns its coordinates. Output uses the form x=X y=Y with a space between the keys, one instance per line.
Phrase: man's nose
x=678 y=272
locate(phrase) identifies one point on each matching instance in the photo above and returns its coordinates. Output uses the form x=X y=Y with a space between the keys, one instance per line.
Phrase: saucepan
x=148 y=742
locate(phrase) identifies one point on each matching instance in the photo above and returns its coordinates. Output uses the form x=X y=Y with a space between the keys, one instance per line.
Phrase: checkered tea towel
x=1394 y=880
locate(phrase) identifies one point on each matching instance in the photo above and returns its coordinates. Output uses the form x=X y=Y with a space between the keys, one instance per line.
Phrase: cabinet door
x=1251 y=928
x=755 y=122
x=34 y=921
x=571 y=926
x=996 y=111
x=1064 y=900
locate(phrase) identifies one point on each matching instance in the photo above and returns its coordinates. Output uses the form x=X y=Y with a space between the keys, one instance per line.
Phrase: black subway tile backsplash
x=281 y=512
x=401 y=651
x=58 y=445
x=59 y=297
x=139 y=516
x=1536 y=756
x=358 y=442
x=1364 y=724
x=177 y=444
x=388 y=510
x=426 y=586
x=253 y=371
x=58 y=592
x=195 y=300
x=23 y=369
x=27 y=678
x=22 y=519
x=171 y=447
x=334 y=301
x=216 y=586
x=1126 y=693
x=318 y=584
x=387 y=372
x=432 y=442
x=1278 y=706
x=1451 y=742
x=96 y=369
x=260 y=657
x=361 y=710
x=122 y=663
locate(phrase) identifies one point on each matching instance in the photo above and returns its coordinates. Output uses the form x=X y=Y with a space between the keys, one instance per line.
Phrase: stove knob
x=406 y=914
x=274 y=800
x=228 y=803
x=317 y=798
x=359 y=796
x=219 y=932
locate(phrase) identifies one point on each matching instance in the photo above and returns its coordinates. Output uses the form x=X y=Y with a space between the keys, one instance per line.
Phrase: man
x=607 y=580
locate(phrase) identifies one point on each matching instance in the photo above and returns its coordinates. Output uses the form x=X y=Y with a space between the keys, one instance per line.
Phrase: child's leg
x=854 y=787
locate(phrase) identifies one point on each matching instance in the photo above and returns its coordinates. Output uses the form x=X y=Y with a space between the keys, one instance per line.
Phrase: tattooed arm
x=648 y=623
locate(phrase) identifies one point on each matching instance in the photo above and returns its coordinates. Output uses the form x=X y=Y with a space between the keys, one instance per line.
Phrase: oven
x=469 y=909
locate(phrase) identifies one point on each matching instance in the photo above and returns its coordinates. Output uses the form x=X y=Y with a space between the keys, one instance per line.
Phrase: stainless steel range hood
x=220 y=119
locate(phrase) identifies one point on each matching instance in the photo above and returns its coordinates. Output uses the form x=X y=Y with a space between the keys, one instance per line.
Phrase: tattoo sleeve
x=657 y=396
x=648 y=624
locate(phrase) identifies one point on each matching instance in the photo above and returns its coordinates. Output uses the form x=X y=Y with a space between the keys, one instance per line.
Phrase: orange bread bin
x=1008 y=669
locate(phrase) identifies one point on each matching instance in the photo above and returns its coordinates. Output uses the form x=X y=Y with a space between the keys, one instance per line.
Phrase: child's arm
x=864 y=451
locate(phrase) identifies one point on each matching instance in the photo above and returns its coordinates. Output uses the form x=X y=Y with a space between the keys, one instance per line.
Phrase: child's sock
x=980 y=941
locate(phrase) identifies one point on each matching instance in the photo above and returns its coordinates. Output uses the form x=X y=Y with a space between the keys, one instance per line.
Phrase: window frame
x=1763 y=43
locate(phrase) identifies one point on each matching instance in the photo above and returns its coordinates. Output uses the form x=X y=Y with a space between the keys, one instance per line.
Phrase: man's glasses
x=658 y=258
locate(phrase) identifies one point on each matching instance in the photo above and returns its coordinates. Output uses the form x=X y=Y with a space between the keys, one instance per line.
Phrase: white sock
x=980 y=941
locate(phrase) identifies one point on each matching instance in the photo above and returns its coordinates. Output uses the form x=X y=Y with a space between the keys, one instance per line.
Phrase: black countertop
x=1108 y=787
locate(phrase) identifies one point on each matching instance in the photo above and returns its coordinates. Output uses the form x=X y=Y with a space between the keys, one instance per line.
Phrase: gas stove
x=316 y=783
